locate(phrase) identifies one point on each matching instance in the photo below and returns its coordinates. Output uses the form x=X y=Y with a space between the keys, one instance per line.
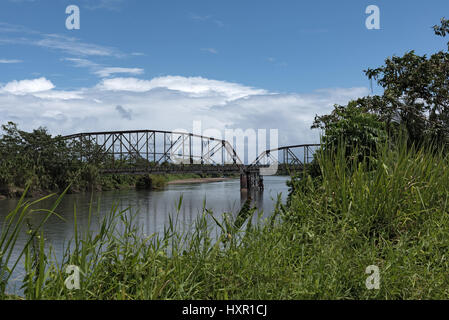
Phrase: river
x=152 y=208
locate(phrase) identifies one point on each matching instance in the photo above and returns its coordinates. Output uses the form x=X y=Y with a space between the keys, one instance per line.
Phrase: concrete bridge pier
x=251 y=181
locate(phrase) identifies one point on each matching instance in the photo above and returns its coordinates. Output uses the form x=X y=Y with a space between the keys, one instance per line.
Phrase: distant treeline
x=51 y=164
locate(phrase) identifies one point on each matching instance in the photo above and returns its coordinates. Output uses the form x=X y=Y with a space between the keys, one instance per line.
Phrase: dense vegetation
x=49 y=164
x=415 y=101
x=394 y=216
x=377 y=194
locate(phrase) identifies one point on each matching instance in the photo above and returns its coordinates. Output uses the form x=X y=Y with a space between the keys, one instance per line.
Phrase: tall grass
x=11 y=228
x=391 y=212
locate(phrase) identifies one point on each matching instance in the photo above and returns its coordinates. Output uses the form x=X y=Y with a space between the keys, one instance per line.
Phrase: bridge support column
x=243 y=181
x=250 y=181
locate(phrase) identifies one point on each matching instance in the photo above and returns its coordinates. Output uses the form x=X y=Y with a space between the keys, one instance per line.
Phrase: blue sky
x=274 y=63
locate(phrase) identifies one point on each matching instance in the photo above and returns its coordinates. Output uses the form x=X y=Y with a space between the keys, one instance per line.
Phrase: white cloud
x=19 y=1
x=194 y=86
x=114 y=5
x=27 y=86
x=7 y=61
x=58 y=95
x=106 y=72
x=168 y=103
x=210 y=50
x=71 y=45
x=82 y=63
x=100 y=70
x=74 y=46
x=39 y=88
x=207 y=18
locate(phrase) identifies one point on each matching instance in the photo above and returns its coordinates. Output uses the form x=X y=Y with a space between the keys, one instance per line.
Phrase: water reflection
x=152 y=208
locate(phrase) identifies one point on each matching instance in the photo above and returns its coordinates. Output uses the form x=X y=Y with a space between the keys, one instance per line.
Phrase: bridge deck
x=176 y=169
x=199 y=169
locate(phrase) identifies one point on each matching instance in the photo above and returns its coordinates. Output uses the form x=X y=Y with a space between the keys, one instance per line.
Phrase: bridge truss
x=286 y=158
x=159 y=152
x=147 y=150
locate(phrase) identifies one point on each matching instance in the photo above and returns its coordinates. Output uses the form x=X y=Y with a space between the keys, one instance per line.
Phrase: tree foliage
x=352 y=126
x=416 y=93
x=415 y=99
x=32 y=157
x=47 y=163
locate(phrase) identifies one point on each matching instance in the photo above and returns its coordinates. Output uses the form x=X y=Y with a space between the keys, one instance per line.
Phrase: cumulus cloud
x=28 y=86
x=59 y=95
x=168 y=103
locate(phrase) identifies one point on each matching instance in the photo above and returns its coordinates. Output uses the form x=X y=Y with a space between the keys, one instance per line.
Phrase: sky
x=139 y=64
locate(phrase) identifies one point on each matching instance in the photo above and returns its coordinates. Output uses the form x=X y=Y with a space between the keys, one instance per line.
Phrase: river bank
x=198 y=180
x=152 y=211
x=185 y=243
x=117 y=182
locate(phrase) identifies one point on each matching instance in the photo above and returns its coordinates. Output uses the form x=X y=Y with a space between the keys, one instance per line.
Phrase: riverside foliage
x=393 y=215
x=49 y=164
x=371 y=197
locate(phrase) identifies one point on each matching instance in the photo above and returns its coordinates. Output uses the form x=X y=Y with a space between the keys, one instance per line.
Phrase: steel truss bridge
x=163 y=152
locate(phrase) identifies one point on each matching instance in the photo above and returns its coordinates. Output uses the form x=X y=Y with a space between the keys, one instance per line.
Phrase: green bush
x=144 y=182
x=393 y=215
x=355 y=128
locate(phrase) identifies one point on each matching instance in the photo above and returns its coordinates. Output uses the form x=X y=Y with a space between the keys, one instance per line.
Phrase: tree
x=416 y=93
x=415 y=98
x=33 y=157
x=358 y=130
